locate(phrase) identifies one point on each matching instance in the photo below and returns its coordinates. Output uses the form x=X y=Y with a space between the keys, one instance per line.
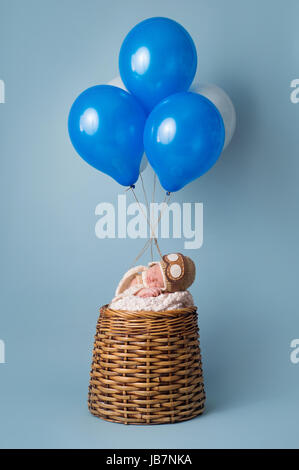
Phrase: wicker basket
x=146 y=367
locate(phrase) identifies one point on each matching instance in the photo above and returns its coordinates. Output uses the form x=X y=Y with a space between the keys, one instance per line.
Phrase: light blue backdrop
x=55 y=273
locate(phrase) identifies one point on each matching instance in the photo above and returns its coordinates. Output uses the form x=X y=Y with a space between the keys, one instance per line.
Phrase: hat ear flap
x=126 y=280
x=163 y=276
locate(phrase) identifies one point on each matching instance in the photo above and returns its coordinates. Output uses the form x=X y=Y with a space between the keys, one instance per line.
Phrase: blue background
x=55 y=273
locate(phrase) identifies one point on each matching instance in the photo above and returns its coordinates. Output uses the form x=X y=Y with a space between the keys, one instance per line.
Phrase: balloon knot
x=132 y=186
x=167 y=193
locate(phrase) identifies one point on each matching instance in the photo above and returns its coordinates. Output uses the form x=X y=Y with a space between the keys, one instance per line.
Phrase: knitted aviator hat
x=178 y=272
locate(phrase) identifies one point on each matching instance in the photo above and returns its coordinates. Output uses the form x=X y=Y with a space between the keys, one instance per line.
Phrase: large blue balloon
x=157 y=58
x=183 y=138
x=106 y=128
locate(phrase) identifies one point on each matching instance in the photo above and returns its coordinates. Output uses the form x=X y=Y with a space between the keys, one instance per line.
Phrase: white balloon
x=223 y=103
x=117 y=81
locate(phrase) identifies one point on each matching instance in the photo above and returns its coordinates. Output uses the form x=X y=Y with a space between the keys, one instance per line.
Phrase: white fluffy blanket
x=132 y=303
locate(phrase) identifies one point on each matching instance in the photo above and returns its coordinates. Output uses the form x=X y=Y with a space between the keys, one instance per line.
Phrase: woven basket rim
x=107 y=311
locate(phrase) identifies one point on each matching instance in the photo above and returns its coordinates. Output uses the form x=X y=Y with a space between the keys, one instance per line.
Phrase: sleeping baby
x=159 y=286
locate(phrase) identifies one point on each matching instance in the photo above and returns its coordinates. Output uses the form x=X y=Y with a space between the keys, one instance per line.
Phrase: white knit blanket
x=132 y=303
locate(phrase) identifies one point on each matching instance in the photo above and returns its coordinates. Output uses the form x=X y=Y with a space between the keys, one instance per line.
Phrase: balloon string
x=148 y=209
x=146 y=218
x=165 y=205
x=153 y=200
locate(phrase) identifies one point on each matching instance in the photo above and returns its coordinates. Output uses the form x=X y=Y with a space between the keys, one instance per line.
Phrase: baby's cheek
x=160 y=280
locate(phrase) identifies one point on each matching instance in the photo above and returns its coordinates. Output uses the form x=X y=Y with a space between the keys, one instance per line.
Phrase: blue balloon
x=157 y=58
x=183 y=138
x=106 y=128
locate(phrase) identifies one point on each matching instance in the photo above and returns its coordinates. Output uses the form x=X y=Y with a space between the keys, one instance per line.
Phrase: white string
x=165 y=205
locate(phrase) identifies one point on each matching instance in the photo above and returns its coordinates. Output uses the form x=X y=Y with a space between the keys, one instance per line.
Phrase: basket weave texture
x=146 y=367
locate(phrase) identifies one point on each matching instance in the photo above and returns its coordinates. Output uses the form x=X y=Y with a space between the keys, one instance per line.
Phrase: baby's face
x=154 y=276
